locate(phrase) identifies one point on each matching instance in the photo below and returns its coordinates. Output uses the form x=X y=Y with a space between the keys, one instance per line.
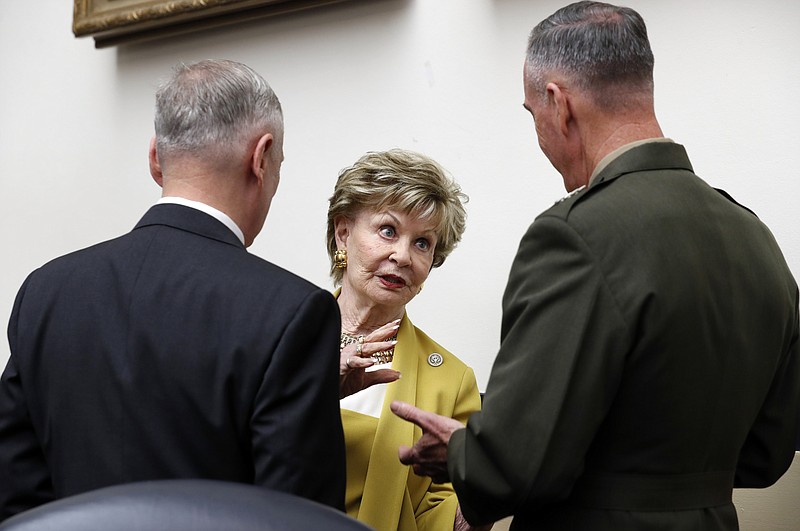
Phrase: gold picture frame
x=113 y=22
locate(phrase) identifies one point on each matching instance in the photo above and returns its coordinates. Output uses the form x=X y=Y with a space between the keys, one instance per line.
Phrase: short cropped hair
x=404 y=180
x=215 y=105
x=602 y=48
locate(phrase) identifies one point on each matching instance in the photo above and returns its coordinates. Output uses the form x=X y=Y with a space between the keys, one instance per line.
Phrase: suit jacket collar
x=649 y=156
x=190 y=220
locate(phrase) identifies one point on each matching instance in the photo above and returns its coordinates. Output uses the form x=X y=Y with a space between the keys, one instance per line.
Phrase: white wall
x=439 y=76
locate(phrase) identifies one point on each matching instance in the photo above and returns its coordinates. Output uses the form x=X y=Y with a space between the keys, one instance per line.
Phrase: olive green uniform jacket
x=648 y=360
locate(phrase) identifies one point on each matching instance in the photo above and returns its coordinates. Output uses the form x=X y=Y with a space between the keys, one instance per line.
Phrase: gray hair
x=603 y=49
x=214 y=105
x=405 y=180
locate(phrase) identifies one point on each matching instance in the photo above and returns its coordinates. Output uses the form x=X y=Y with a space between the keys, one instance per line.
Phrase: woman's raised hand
x=357 y=356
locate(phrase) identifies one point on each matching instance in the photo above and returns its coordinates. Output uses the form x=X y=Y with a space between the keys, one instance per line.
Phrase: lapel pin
x=435 y=359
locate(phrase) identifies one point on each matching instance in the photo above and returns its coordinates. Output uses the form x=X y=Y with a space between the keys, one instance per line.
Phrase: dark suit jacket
x=649 y=360
x=170 y=352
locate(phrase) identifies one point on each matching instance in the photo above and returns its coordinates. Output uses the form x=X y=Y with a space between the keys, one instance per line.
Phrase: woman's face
x=389 y=254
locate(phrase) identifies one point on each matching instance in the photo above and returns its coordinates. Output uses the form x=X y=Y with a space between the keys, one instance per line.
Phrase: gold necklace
x=385 y=356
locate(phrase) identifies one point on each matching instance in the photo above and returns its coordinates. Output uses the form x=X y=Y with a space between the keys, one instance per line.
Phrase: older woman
x=393 y=217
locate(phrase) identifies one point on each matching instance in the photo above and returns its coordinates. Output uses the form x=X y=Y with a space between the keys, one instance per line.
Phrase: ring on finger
x=359 y=345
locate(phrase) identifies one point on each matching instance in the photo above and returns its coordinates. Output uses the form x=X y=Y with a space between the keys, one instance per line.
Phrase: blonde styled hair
x=404 y=180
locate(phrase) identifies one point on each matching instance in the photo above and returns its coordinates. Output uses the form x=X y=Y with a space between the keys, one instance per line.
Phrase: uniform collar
x=605 y=161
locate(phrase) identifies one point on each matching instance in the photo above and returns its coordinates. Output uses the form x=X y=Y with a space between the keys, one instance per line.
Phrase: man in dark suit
x=171 y=352
x=649 y=360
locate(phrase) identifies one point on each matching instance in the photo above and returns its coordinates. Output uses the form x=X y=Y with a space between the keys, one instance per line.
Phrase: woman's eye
x=387 y=231
x=423 y=244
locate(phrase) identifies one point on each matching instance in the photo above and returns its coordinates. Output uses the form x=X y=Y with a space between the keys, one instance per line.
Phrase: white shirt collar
x=211 y=211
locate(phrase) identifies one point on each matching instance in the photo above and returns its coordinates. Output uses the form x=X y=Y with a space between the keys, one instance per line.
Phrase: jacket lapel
x=386 y=477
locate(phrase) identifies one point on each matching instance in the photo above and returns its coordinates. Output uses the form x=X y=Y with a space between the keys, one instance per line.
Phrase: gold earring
x=340 y=259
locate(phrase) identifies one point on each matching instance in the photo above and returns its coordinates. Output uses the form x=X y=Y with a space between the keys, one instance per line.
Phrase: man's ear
x=260 y=157
x=341 y=230
x=155 y=166
x=563 y=107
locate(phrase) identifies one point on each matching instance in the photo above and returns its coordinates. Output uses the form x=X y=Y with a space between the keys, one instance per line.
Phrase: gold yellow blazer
x=394 y=498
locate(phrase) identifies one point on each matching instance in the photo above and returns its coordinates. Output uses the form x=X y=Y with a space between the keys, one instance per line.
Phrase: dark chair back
x=182 y=505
